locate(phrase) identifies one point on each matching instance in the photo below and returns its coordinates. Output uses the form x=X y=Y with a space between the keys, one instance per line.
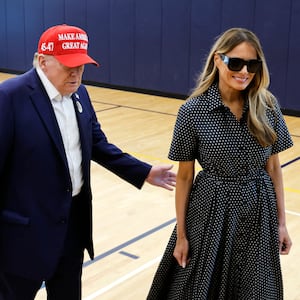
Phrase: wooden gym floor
x=132 y=227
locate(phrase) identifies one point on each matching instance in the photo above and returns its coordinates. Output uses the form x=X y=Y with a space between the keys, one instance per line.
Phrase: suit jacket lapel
x=81 y=121
x=46 y=113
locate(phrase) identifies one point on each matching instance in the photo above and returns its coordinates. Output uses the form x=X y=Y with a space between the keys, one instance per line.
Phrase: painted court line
x=127 y=243
x=139 y=270
x=292 y=213
x=123 y=278
x=150 y=263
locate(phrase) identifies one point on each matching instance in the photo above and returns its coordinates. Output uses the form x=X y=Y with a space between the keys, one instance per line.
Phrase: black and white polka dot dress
x=232 y=216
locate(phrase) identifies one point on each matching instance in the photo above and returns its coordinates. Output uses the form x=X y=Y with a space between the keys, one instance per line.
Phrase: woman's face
x=236 y=80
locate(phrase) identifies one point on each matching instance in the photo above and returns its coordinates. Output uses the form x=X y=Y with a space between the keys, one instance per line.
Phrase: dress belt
x=249 y=177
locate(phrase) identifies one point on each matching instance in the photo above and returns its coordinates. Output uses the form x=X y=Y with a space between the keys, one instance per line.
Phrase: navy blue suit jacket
x=35 y=185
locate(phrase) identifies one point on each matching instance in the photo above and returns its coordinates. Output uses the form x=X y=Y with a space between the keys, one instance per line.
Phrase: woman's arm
x=184 y=181
x=274 y=169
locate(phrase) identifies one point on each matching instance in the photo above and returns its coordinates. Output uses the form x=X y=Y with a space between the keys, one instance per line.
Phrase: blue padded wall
x=148 y=38
x=205 y=26
x=291 y=83
x=272 y=25
x=157 y=45
x=122 y=42
x=15 y=35
x=175 y=45
x=3 y=33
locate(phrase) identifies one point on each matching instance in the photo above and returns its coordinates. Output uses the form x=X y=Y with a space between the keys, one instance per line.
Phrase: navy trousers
x=66 y=281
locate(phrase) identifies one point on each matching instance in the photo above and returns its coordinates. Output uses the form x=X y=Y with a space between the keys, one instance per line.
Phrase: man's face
x=66 y=80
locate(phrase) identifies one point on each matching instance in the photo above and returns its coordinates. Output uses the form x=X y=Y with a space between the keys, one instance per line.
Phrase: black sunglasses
x=236 y=64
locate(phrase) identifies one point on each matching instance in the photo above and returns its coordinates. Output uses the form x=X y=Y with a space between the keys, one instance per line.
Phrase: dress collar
x=215 y=99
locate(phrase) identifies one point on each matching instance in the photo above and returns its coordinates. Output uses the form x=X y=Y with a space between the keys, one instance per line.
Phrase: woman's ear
x=217 y=59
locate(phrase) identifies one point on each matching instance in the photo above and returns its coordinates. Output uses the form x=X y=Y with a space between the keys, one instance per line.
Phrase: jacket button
x=62 y=221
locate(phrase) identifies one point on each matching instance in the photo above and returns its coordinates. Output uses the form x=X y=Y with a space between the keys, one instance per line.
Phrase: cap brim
x=75 y=60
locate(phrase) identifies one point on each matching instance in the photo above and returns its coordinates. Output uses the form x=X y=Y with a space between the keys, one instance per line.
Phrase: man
x=49 y=135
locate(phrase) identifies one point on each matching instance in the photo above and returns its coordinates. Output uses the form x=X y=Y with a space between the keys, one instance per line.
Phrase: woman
x=231 y=217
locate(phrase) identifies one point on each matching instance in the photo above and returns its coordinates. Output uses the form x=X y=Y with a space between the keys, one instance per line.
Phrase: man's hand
x=162 y=176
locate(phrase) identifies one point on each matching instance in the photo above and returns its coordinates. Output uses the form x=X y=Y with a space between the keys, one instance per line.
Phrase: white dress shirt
x=67 y=122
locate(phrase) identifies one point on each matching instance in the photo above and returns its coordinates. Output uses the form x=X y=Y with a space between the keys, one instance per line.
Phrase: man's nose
x=76 y=70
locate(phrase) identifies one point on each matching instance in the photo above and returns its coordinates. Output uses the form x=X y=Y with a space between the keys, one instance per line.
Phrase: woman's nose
x=244 y=69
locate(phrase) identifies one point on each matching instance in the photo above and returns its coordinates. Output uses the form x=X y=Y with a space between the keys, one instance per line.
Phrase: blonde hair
x=257 y=93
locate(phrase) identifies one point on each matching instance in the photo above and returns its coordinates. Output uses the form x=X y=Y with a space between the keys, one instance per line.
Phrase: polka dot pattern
x=232 y=217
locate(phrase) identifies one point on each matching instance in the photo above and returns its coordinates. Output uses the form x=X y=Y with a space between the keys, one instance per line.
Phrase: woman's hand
x=181 y=252
x=285 y=242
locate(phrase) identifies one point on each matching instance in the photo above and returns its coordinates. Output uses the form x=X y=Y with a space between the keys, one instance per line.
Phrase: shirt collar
x=214 y=97
x=49 y=87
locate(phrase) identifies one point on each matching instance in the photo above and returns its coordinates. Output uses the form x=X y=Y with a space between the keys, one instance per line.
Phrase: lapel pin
x=79 y=106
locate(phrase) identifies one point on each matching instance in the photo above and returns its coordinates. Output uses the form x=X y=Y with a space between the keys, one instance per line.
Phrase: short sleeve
x=284 y=140
x=184 y=142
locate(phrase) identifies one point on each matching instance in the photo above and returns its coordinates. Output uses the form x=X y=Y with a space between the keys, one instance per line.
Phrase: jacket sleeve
x=6 y=128
x=108 y=155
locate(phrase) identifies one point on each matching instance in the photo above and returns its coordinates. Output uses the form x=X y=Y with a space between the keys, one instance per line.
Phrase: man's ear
x=41 y=61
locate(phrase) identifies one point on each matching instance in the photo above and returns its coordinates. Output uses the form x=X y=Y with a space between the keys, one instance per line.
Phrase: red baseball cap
x=68 y=44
